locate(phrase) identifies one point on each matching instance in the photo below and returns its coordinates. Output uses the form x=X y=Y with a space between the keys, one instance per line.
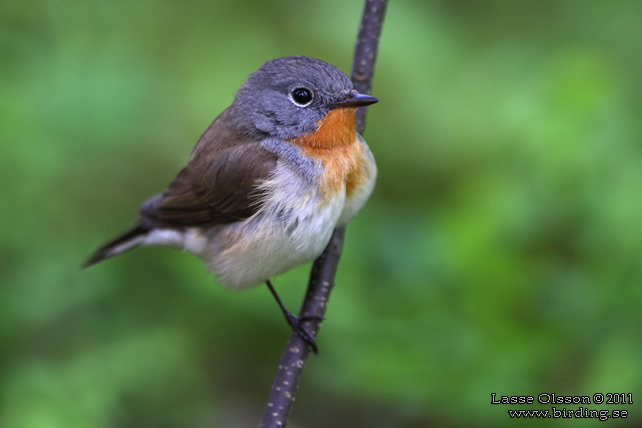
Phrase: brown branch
x=324 y=269
x=365 y=53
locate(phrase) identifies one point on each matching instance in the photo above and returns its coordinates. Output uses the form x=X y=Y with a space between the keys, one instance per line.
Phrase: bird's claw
x=297 y=326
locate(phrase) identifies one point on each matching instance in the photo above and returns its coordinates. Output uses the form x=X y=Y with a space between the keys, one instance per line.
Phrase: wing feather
x=218 y=185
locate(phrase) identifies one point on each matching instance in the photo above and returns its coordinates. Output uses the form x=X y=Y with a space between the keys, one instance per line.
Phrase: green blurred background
x=500 y=252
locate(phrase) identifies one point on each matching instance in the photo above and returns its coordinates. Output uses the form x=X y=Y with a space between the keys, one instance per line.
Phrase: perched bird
x=268 y=181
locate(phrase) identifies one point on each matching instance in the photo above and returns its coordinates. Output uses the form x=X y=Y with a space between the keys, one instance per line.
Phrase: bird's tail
x=125 y=242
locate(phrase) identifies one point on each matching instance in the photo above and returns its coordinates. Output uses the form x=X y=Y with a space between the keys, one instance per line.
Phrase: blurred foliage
x=501 y=251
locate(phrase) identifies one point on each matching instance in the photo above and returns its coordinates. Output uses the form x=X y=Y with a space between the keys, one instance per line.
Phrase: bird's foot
x=296 y=323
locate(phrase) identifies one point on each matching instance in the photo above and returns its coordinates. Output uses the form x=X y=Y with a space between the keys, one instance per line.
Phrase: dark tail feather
x=125 y=242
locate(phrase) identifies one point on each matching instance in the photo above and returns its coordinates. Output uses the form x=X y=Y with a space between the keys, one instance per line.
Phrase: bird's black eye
x=301 y=96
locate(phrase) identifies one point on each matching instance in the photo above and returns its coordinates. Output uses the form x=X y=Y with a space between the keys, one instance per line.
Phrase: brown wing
x=218 y=185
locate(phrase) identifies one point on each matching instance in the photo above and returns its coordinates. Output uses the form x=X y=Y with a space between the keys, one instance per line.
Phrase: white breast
x=293 y=227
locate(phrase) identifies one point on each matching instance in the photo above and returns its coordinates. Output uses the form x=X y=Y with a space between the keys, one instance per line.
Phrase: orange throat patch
x=335 y=145
x=336 y=129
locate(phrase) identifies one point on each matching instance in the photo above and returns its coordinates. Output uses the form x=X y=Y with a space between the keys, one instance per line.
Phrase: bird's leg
x=296 y=322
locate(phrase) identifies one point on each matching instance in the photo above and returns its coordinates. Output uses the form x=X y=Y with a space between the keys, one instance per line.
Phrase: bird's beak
x=356 y=99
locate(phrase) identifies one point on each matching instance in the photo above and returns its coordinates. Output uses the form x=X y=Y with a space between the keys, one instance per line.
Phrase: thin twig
x=365 y=53
x=286 y=381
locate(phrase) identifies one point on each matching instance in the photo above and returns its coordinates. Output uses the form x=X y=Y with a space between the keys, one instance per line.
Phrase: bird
x=267 y=182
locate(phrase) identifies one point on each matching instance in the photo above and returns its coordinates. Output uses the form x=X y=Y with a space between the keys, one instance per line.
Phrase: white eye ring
x=301 y=96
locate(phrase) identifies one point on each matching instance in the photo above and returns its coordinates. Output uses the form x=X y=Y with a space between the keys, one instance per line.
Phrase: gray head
x=286 y=97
